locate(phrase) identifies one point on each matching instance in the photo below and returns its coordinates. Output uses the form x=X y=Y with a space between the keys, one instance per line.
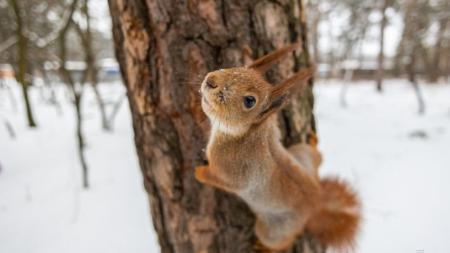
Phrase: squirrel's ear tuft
x=281 y=92
x=264 y=63
x=288 y=85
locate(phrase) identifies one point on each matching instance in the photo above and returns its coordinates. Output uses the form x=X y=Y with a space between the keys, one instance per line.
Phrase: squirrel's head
x=236 y=99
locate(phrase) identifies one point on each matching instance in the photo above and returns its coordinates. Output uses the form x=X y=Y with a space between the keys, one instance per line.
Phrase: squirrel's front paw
x=200 y=173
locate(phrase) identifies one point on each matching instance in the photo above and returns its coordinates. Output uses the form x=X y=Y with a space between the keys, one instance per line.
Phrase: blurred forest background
x=44 y=42
x=66 y=147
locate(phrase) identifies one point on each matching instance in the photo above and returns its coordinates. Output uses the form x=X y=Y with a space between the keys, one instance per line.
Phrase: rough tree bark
x=165 y=47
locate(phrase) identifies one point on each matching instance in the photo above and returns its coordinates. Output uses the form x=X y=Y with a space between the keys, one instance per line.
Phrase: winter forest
x=107 y=116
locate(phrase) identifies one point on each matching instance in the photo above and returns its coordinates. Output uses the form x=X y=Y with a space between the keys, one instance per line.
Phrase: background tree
x=86 y=38
x=384 y=5
x=75 y=85
x=41 y=23
x=315 y=15
x=22 y=67
x=411 y=47
x=437 y=68
x=164 y=49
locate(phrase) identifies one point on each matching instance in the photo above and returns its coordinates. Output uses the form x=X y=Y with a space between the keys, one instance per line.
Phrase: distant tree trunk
x=439 y=54
x=331 y=55
x=91 y=65
x=22 y=52
x=348 y=76
x=410 y=69
x=9 y=128
x=380 y=71
x=165 y=47
x=76 y=90
x=447 y=63
x=77 y=95
x=313 y=8
x=411 y=47
x=80 y=139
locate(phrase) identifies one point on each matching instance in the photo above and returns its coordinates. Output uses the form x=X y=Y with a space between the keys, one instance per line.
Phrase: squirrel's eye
x=249 y=101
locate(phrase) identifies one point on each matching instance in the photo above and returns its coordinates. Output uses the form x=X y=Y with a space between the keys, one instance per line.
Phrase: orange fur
x=336 y=222
x=247 y=158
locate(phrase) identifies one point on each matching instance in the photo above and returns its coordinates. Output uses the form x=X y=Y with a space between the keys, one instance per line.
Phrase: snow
x=402 y=179
x=42 y=205
x=397 y=160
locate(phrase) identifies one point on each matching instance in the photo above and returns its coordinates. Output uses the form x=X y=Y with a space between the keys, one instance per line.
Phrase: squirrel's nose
x=210 y=83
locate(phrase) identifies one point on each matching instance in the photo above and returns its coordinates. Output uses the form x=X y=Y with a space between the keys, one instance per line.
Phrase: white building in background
x=359 y=69
x=108 y=70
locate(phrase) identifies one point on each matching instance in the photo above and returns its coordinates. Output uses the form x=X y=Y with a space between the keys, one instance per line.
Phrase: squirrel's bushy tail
x=336 y=222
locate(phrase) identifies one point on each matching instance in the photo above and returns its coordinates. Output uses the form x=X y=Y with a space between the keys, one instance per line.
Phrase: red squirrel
x=246 y=157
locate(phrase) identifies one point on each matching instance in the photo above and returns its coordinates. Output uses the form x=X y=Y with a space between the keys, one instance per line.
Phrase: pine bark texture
x=165 y=48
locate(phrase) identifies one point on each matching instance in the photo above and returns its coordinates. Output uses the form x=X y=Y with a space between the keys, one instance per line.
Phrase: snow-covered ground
x=42 y=205
x=398 y=161
x=403 y=179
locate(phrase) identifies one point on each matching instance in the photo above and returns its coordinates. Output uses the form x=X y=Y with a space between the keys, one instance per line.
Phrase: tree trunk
x=22 y=54
x=435 y=70
x=380 y=70
x=75 y=89
x=313 y=8
x=165 y=48
x=91 y=64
